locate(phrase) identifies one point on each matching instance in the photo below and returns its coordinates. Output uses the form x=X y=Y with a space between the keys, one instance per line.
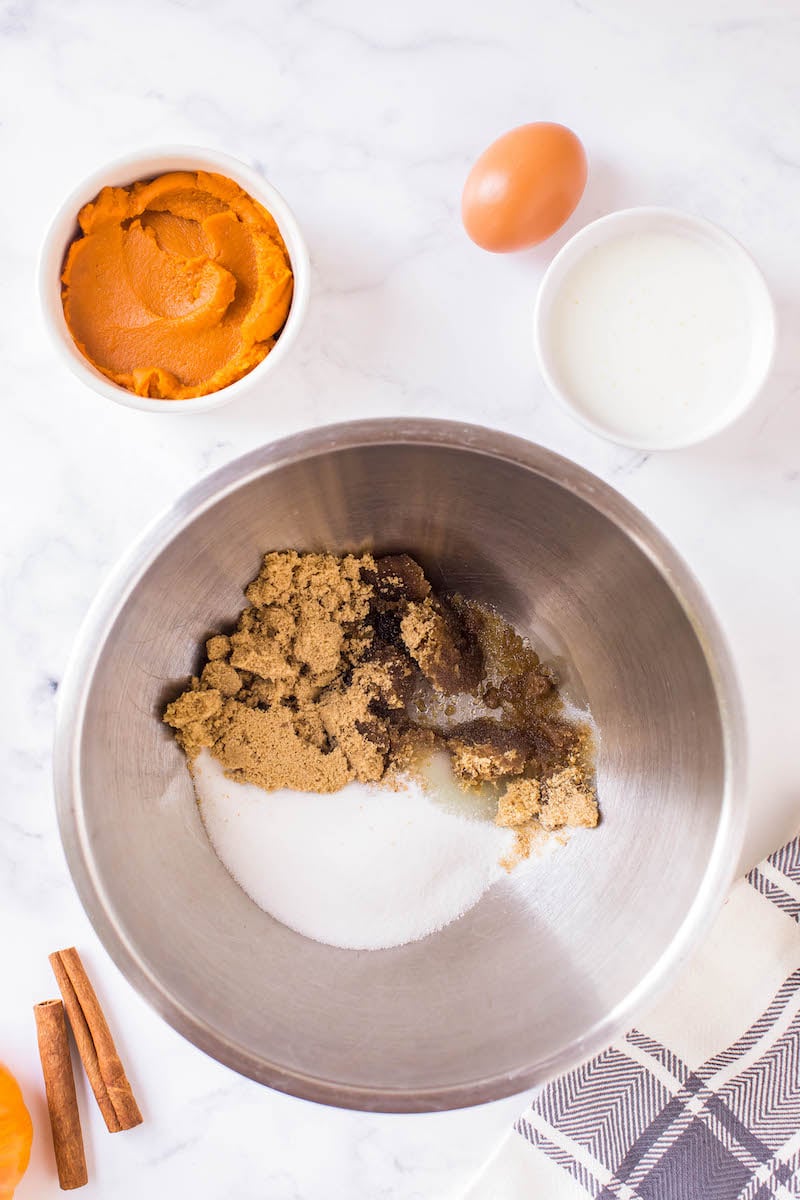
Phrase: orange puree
x=178 y=286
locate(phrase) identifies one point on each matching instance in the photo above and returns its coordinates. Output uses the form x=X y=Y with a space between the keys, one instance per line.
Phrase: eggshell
x=524 y=187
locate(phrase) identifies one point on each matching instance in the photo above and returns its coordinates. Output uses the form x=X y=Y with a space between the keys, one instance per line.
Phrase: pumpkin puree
x=177 y=286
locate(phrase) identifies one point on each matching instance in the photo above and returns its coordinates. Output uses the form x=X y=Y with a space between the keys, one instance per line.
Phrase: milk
x=651 y=334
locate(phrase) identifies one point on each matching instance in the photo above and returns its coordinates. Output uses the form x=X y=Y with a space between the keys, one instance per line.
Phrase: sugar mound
x=363 y=868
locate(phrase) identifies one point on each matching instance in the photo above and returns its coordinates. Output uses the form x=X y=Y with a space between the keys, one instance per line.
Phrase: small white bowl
x=147 y=164
x=761 y=316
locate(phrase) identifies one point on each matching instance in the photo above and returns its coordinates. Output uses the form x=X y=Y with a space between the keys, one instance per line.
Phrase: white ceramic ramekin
x=147 y=164
x=638 y=220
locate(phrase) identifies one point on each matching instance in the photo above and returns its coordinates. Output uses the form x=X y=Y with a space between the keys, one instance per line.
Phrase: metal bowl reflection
x=550 y=965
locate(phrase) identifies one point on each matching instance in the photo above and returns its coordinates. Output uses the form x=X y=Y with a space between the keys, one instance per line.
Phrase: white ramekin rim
x=655 y=217
x=146 y=164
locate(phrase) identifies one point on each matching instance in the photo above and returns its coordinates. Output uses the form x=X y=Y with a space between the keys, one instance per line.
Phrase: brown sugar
x=483 y=750
x=519 y=803
x=534 y=809
x=285 y=700
x=568 y=800
x=442 y=648
x=350 y=668
x=526 y=838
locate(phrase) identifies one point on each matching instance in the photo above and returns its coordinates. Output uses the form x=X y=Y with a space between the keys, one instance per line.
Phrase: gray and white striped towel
x=702 y=1100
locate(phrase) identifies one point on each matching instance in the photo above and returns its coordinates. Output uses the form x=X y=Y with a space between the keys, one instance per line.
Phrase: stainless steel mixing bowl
x=553 y=962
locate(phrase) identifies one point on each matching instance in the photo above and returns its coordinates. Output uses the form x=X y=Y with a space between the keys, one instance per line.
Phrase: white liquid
x=652 y=335
x=363 y=868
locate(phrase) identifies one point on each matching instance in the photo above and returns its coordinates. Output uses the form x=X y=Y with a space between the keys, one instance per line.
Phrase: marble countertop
x=366 y=116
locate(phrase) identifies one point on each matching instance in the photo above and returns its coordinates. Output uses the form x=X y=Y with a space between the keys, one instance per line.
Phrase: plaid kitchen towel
x=702 y=1100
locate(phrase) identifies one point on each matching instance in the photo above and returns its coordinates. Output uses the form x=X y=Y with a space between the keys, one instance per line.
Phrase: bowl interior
x=546 y=962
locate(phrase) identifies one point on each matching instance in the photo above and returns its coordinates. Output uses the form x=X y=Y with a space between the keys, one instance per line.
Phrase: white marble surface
x=367 y=117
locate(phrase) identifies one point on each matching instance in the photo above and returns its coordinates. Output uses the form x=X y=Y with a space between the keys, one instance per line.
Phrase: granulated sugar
x=362 y=868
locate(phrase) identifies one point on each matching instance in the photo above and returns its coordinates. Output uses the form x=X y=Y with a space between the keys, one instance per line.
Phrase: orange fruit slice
x=16 y=1134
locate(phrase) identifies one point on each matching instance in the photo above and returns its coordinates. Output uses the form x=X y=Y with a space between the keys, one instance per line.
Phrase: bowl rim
x=148 y=163
x=604 y=229
x=75 y=687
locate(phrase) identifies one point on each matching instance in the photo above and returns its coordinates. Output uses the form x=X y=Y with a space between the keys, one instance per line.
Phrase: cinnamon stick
x=95 y=1044
x=62 y=1103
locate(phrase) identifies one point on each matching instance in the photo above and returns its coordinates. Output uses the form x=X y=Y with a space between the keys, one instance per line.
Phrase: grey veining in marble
x=366 y=116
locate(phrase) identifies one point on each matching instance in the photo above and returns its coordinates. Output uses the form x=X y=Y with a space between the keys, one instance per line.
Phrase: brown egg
x=524 y=187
